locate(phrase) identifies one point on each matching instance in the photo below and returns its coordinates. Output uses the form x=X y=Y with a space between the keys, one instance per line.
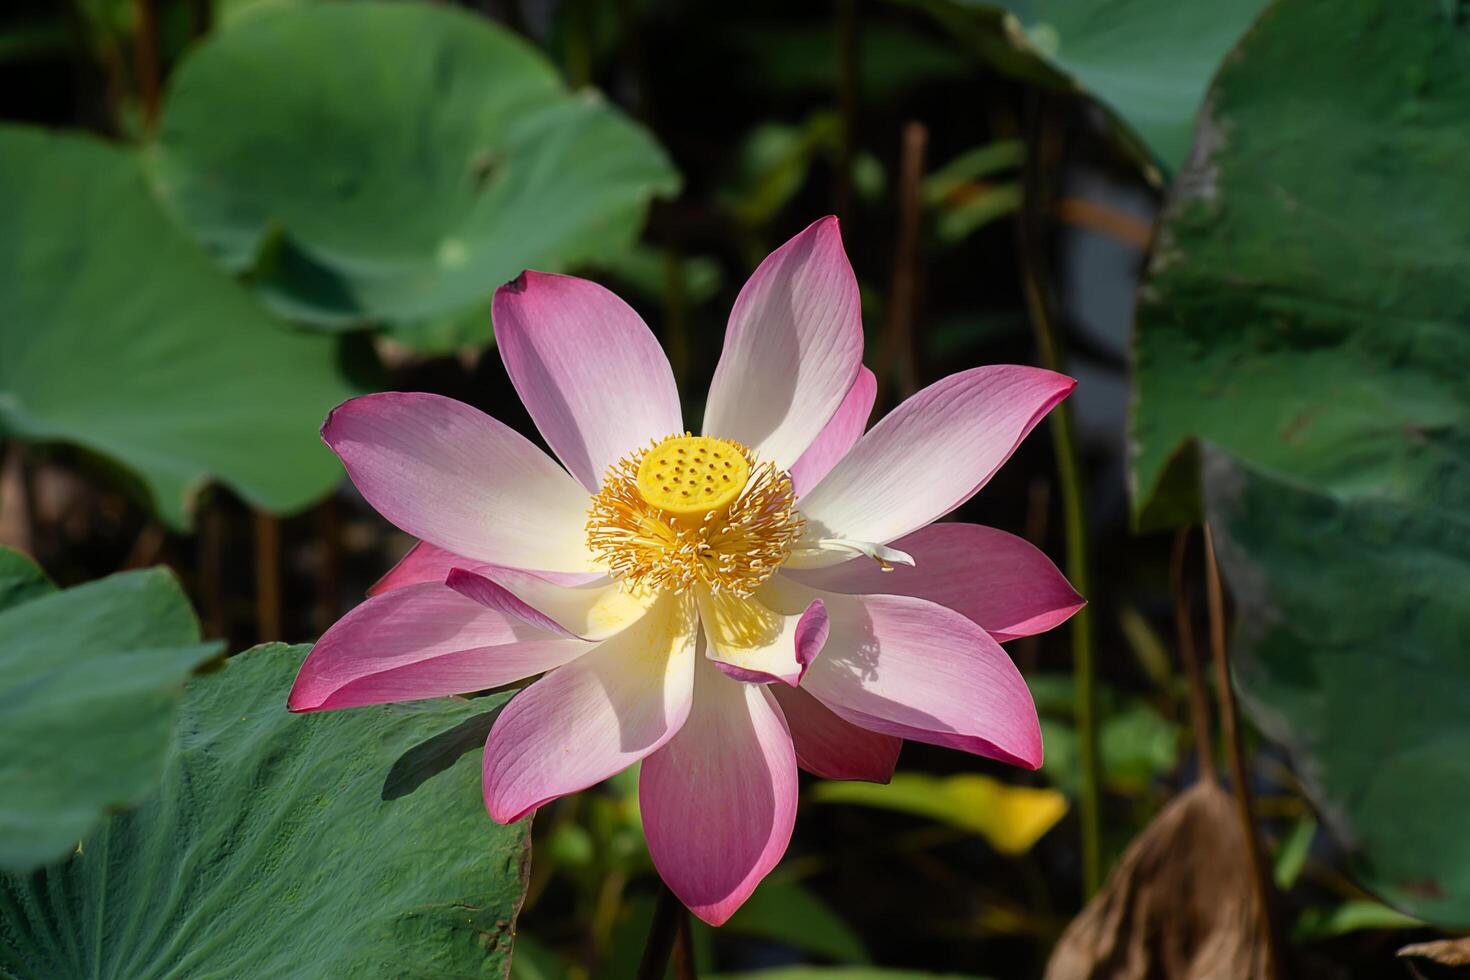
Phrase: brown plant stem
x=1029 y=230
x=1199 y=705
x=900 y=359
x=267 y=577
x=1262 y=886
x=670 y=925
x=683 y=958
x=210 y=558
x=147 y=546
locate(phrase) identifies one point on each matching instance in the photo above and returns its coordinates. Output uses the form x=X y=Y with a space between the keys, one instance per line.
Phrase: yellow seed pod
x=693 y=475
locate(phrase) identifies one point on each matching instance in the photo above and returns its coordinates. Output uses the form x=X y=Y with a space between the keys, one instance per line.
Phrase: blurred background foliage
x=1241 y=225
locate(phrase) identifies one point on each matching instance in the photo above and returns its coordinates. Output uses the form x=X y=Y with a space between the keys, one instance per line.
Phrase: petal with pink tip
x=1002 y=582
x=907 y=667
x=771 y=636
x=926 y=457
x=452 y=475
x=423 y=563
x=595 y=717
x=422 y=641
x=792 y=349
x=719 y=801
x=593 y=611
x=587 y=368
x=831 y=748
x=840 y=434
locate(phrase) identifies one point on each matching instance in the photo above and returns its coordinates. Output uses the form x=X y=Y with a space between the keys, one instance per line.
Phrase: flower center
x=692 y=475
x=693 y=510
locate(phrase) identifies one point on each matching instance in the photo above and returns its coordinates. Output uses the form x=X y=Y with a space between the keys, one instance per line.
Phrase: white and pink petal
x=453 y=476
x=771 y=636
x=925 y=458
x=1001 y=582
x=792 y=350
x=422 y=641
x=591 y=611
x=913 y=669
x=595 y=717
x=719 y=800
x=839 y=435
x=588 y=369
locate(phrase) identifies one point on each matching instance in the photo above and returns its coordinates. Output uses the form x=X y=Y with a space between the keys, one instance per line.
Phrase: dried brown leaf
x=1445 y=952
x=1177 y=907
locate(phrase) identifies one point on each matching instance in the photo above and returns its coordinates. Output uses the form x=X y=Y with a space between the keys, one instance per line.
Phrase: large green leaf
x=90 y=682
x=1306 y=306
x=389 y=161
x=1149 y=61
x=1306 y=319
x=117 y=334
x=1353 y=650
x=342 y=844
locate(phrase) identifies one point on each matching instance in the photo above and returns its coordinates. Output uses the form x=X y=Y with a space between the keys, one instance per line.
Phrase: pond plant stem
x=1261 y=884
x=1199 y=704
x=209 y=557
x=267 y=577
x=1030 y=228
x=900 y=357
x=668 y=940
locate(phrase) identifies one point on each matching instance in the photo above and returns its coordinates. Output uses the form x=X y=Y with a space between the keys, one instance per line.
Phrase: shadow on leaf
x=429 y=758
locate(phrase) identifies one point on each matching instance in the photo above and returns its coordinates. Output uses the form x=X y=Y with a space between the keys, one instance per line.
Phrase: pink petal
x=587 y=368
x=423 y=563
x=792 y=349
x=906 y=667
x=841 y=432
x=719 y=801
x=929 y=455
x=829 y=747
x=422 y=641
x=452 y=475
x=1002 y=582
x=593 y=611
x=771 y=636
x=595 y=717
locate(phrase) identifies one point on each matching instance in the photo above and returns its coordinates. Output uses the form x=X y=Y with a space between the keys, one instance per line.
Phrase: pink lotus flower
x=725 y=608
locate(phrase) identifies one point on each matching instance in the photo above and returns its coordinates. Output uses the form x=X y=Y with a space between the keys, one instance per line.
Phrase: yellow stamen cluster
x=692 y=510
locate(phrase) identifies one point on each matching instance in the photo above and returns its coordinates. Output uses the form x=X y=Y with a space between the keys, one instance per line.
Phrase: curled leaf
x=1178 y=905
x=1445 y=952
